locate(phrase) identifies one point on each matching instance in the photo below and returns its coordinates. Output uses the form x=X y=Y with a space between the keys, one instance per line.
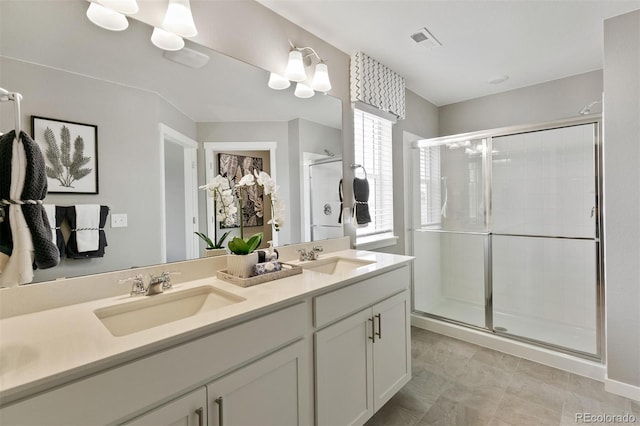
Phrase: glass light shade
x=179 y=20
x=107 y=18
x=278 y=82
x=321 y=81
x=303 y=91
x=166 y=40
x=295 y=67
x=128 y=7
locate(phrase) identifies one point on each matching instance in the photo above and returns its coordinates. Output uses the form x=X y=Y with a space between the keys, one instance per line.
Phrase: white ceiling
x=530 y=41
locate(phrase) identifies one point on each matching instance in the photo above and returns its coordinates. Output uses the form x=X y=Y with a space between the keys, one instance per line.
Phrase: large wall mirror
x=154 y=114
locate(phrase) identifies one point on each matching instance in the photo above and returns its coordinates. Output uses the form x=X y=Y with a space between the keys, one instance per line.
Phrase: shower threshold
x=577 y=339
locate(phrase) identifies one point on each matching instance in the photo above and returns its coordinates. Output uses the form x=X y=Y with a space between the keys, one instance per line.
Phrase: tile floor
x=458 y=383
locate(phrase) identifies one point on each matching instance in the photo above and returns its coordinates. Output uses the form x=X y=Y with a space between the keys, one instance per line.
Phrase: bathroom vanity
x=328 y=346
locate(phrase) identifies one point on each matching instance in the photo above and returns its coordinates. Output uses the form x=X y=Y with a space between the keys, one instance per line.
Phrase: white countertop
x=44 y=349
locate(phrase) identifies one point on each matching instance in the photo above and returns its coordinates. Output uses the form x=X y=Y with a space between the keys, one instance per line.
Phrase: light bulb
x=107 y=18
x=128 y=7
x=179 y=20
x=321 y=81
x=295 y=67
x=166 y=40
x=303 y=91
x=278 y=82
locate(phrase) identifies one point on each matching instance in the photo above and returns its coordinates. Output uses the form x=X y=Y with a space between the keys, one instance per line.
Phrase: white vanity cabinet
x=365 y=358
x=268 y=392
x=189 y=410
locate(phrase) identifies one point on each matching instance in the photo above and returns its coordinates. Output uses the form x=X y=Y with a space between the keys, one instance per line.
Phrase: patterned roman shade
x=376 y=85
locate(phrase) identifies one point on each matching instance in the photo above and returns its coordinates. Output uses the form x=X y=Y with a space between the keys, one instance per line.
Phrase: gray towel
x=35 y=188
x=361 y=194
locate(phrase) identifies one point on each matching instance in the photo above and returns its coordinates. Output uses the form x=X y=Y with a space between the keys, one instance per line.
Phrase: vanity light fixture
x=166 y=40
x=179 y=20
x=278 y=82
x=107 y=18
x=303 y=91
x=299 y=58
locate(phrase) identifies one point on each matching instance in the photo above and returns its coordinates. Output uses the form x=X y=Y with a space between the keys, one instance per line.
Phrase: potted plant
x=243 y=257
x=213 y=248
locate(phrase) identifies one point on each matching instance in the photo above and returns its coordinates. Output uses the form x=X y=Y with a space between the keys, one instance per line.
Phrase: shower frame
x=488 y=135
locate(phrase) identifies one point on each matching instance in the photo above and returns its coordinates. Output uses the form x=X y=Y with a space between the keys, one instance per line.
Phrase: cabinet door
x=270 y=391
x=392 y=347
x=189 y=410
x=344 y=371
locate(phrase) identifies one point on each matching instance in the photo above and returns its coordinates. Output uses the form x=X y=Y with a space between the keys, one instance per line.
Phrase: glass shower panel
x=452 y=186
x=450 y=275
x=544 y=183
x=545 y=289
x=325 y=199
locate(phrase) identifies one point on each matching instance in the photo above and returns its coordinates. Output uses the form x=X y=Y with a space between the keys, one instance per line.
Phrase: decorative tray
x=286 y=271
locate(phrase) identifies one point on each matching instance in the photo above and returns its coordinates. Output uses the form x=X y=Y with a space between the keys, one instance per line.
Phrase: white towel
x=87 y=224
x=50 y=209
x=17 y=269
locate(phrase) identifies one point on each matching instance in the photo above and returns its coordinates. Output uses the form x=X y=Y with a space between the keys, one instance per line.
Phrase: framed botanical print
x=70 y=152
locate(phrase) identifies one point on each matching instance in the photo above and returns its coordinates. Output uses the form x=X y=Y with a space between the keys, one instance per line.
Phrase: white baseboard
x=622 y=389
x=572 y=364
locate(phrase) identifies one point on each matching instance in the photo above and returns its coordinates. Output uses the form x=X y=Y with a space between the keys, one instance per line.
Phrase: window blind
x=372 y=143
x=430 y=186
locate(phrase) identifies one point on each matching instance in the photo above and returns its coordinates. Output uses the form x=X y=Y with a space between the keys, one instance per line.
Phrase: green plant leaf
x=238 y=246
x=254 y=241
x=206 y=239
x=222 y=238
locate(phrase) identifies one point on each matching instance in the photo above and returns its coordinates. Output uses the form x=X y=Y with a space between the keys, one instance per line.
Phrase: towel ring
x=355 y=167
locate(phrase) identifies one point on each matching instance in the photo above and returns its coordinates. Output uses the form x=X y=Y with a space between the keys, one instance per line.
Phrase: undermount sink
x=152 y=311
x=336 y=265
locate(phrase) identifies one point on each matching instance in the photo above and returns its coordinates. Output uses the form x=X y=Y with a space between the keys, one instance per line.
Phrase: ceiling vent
x=425 y=39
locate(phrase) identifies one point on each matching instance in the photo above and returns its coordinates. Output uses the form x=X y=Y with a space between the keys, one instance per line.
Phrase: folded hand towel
x=50 y=209
x=361 y=194
x=87 y=227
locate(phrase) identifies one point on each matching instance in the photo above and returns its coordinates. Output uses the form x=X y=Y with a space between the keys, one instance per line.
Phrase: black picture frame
x=68 y=171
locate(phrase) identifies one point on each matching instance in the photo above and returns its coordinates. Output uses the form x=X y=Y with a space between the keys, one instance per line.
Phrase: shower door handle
x=593 y=210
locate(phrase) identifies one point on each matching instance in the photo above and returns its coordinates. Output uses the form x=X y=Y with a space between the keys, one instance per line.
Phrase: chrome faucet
x=137 y=285
x=312 y=254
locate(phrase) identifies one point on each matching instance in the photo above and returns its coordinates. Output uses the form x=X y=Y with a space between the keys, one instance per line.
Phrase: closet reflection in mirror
x=154 y=112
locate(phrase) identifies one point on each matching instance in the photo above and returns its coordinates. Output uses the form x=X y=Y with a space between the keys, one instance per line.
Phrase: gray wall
x=540 y=103
x=128 y=155
x=622 y=198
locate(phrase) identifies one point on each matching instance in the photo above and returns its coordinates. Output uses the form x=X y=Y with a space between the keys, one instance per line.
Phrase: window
x=372 y=142
x=430 y=186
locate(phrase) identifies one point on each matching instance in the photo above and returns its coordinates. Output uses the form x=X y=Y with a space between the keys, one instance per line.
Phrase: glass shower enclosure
x=508 y=235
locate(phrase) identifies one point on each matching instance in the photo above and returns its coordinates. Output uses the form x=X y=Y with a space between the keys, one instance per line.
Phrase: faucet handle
x=165 y=277
x=318 y=249
x=303 y=254
x=137 y=285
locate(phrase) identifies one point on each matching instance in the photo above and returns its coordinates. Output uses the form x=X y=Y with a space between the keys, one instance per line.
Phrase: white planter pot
x=214 y=252
x=241 y=265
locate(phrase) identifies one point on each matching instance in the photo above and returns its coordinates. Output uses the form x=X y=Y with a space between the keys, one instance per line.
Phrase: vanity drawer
x=340 y=303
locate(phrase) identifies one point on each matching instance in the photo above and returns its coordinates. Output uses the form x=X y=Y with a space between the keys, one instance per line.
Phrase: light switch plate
x=119 y=220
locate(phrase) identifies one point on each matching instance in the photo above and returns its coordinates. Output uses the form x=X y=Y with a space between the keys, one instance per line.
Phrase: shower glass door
x=450 y=273
x=544 y=245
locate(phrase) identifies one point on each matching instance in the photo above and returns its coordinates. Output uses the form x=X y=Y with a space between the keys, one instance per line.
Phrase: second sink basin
x=336 y=265
x=152 y=311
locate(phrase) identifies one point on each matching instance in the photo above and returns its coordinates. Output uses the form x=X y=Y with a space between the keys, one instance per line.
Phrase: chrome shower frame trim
x=488 y=135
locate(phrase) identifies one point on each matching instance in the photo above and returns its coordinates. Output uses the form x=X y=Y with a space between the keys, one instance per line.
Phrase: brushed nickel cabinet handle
x=373 y=330
x=379 y=333
x=219 y=402
x=200 y=414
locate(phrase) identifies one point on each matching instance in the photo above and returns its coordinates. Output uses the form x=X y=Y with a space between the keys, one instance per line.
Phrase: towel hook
x=355 y=167
x=6 y=96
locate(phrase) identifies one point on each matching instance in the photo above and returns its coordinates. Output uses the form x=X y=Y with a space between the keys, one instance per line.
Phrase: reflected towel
x=87 y=227
x=50 y=209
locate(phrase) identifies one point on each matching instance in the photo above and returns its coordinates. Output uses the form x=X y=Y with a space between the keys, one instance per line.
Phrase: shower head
x=329 y=153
